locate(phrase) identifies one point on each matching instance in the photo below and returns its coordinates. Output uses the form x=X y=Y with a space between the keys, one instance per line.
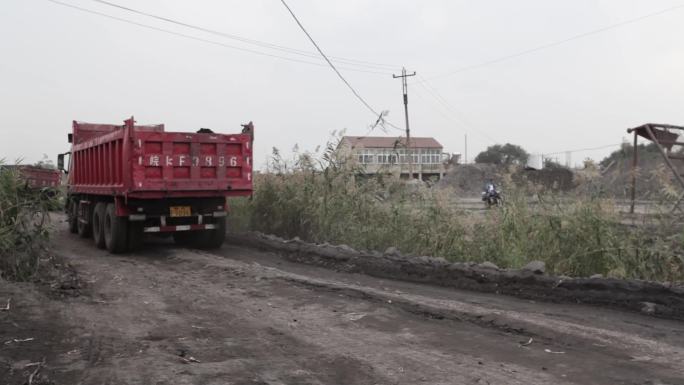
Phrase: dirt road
x=249 y=317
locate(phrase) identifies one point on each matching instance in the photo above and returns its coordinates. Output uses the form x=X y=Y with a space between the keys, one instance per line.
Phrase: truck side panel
x=97 y=164
x=37 y=177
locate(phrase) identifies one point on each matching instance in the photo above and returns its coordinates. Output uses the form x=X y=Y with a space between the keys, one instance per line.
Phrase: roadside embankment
x=530 y=282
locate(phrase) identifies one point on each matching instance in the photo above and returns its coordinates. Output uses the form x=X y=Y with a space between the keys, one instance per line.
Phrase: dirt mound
x=469 y=179
x=614 y=180
x=649 y=297
x=556 y=179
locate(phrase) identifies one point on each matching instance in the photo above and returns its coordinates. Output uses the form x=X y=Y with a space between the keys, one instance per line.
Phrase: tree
x=506 y=154
x=626 y=151
x=46 y=162
x=552 y=164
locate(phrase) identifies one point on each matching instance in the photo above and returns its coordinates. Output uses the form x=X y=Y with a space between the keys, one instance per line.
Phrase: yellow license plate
x=180 y=211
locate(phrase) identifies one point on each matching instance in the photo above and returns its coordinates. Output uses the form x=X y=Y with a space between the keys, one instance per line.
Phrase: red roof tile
x=390 y=142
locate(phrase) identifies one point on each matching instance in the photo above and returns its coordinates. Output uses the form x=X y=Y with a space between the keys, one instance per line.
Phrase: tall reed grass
x=323 y=198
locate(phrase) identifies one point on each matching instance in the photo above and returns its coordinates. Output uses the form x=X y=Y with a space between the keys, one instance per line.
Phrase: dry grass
x=319 y=199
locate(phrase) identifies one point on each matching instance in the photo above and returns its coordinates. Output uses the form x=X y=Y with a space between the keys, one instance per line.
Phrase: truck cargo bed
x=37 y=177
x=147 y=162
x=129 y=180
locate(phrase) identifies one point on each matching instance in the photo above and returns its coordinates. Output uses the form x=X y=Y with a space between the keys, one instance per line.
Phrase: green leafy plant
x=24 y=225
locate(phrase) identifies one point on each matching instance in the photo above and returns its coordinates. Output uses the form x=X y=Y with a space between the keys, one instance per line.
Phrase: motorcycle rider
x=490 y=193
x=490 y=188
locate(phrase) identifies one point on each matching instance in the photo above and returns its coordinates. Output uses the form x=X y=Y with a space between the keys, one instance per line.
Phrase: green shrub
x=24 y=225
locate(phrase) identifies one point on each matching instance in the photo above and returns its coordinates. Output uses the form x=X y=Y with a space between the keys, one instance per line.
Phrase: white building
x=424 y=158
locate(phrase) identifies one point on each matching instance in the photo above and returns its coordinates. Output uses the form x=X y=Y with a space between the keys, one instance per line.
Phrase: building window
x=402 y=158
x=382 y=158
x=365 y=156
x=399 y=156
x=368 y=156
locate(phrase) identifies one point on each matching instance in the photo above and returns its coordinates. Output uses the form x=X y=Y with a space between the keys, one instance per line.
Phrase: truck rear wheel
x=83 y=223
x=115 y=231
x=73 y=216
x=213 y=239
x=185 y=238
x=135 y=235
x=98 y=225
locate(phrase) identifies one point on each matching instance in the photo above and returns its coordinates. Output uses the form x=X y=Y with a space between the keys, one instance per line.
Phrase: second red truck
x=128 y=180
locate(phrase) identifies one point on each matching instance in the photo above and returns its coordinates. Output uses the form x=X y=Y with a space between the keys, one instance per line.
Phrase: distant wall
x=559 y=179
x=469 y=179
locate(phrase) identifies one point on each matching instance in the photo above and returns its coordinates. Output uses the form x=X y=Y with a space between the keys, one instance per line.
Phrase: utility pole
x=466 y=150
x=635 y=162
x=404 y=89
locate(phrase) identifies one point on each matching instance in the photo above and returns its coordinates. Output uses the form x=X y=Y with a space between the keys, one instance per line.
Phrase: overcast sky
x=60 y=64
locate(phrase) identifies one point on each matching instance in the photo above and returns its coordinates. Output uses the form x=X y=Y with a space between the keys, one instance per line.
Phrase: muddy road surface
x=168 y=315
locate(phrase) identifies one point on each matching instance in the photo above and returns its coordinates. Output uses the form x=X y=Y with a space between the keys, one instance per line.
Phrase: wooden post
x=634 y=167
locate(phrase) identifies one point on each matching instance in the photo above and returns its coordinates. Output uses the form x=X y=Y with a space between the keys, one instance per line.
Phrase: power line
x=358 y=96
x=441 y=100
x=448 y=117
x=558 y=42
x=424 y=83
x=361 y=63
x=123 y=20
x=583 y=149
x=444 y=115
x=439 y=110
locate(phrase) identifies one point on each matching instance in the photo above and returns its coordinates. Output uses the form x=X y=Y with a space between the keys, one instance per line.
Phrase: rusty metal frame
x=662 y=137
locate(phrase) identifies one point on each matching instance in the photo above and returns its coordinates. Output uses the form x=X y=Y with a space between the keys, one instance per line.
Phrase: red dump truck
x=37 y=177
x=127 y=180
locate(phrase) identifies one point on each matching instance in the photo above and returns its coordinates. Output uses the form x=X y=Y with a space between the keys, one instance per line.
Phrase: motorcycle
x=492 y=198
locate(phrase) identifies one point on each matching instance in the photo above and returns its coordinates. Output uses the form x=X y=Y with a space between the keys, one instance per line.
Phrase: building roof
x=390 y=142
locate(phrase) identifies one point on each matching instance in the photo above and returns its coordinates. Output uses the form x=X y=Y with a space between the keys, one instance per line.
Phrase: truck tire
x=98 y=224
x=84 y=228
x=73 y=216
x=135 y=235
x=213 y=239
x=185 y=238
x=115 y=231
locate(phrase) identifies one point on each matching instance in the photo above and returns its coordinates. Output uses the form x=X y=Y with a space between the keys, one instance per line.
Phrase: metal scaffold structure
x=664 y=139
